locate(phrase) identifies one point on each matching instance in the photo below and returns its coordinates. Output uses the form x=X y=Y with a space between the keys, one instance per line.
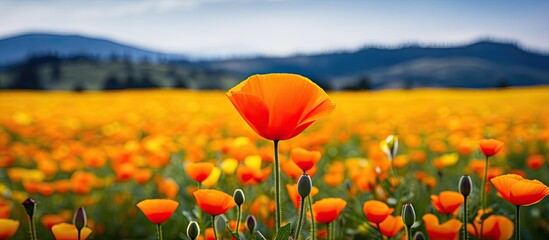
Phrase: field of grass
x=106 y=151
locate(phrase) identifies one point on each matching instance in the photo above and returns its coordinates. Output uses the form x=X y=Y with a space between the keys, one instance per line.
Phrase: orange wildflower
x=199 y=171
x=520 y=191
x=437 y=231
x=447 y=202
x=213 y=202
x=535 y=161
x=158 y=210
x=5 y=209
x=391 y=225
x=65 y=231
x=495 y=226
x=142 y=176
x=294 y=195
x=305 y=159
x=328 y=209
x=8 y=227
x=280 y=106
x=48 y=220
x=263 y=207
x=490 y=147
x=376 y=211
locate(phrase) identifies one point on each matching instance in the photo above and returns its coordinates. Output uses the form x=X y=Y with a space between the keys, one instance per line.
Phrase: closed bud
x=251 y=223
x=193 y=230
x=30 y=206
x=239 y=197
x=80 y=219
x=304 y=185
x=419 y=236
x=391 y=146
x=465 y=185
x=408 y=215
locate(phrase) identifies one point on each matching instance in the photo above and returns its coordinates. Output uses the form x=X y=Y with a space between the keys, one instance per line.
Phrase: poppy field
x=363 y=165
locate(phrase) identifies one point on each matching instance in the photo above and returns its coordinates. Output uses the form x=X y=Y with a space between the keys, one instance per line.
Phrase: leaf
x=284 y=232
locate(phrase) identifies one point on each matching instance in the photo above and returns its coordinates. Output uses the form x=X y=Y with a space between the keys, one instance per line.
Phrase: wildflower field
x=109 y=151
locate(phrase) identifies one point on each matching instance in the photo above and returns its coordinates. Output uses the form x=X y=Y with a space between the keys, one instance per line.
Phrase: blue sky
x=281 y=27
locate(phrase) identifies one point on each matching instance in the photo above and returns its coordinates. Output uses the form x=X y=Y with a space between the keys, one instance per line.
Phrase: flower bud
x=251 y=223
x=239 y=197
x=304 y=185
x=408 y=215
x=80 y=220
x=465 y=185
x=193 y=230
x=419 y=236
x=30 y=206
x=391 y=146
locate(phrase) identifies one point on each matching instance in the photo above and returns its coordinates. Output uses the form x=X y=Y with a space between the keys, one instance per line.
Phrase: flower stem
x=301 y=218
x=278 y=214
x=79 y=234
x=329 y=231
x=465 y=235
x=238 y=219
x=408 y=233
x=313 y=227
x=32 y=229
x=159 y=231
x=213 y=225
x=483 y=195
x=517 y=222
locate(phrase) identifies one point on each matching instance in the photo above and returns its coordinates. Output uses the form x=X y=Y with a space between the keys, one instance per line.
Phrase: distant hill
x=19 y=48
x=482 y=64
x=68 y=62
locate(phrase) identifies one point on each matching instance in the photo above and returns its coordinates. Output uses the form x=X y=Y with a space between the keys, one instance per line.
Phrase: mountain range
x=483 y=64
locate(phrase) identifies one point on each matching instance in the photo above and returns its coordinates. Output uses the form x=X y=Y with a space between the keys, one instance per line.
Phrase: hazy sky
x=281 y=27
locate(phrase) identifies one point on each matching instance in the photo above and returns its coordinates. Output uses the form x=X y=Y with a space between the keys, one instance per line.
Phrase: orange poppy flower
x=214 y=202
x=376 y=211
x=391 y=225
x=280 y=106
x=49 y=220
x=294 y=195
x=199 y=171
x=8 y=227
x=520 y=191
x=263 y=208
x=142 y=175
x=65 y=231
x=447 y=202
x=490 y=147
x=5 y=209
x=158 y=210
x=535 y=161
x=305 y=159
x=328 y=209
x=437 y=231
x=495 y=227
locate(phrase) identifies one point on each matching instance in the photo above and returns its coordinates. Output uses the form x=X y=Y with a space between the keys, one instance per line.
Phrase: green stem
x=483 y=195
x=213 y=225
x=159 y=231
x=408 y=233
x=329 y=231
x=517 y=222
x=278 y=214
x=313 y=227
x=31 y=231
x=78 y=234
x=379 y=230
x=301 y=218
x=465 y=235
x=332 y=230
x=238 y=219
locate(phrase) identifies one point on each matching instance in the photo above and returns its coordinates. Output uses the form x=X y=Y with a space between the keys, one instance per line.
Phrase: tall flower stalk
x=279 y=107
x=489 y=147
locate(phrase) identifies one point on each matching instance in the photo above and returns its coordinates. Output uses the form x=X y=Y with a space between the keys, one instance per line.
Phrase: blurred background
x=104 y=103
x=213 y=44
